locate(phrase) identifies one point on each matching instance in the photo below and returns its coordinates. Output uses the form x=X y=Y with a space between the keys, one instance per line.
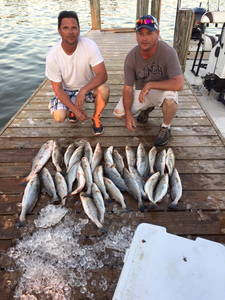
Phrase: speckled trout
x=90 y=209
x=29 y=200
x=39 y=160
x=176 y=188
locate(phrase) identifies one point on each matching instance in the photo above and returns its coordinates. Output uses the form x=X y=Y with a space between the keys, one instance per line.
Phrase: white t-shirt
x=74 y=71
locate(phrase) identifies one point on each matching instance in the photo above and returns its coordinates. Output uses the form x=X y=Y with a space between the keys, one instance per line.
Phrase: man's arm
x=65 y=99
x=99 y=78
x=174 y=84
x=127 y=103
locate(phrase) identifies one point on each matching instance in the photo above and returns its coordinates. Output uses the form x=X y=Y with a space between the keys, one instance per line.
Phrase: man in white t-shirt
x=153 y=68
x=77 y=72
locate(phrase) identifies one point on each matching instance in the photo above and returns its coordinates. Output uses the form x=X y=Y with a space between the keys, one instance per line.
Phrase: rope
x=197 y=88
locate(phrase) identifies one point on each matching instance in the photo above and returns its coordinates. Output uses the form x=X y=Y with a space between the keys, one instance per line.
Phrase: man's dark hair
x=67 y=14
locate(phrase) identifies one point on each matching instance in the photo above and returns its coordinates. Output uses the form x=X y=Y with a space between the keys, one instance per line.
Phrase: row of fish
x=102 y=176
x=166 y=176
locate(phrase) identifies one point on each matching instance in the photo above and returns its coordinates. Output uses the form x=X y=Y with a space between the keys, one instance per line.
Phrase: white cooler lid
x=163 y=266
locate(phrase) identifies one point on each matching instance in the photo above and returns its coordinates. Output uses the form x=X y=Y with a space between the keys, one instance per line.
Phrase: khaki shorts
x=153 y=98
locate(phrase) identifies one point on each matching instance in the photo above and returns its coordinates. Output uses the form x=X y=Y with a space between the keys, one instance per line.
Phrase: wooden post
x=95 y=14
x=156 y=9
x=182 y=35
x=142 y=8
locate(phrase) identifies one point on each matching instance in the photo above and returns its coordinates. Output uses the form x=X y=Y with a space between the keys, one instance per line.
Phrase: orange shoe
x=97 y=125
x=72 y=118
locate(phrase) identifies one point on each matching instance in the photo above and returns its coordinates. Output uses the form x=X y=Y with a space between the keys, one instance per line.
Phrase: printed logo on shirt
x=148 y=71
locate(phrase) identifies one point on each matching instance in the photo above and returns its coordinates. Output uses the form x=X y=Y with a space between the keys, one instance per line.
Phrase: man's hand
x=81 y=115
x=130 y=124
x=144 y=92
x=79 y=102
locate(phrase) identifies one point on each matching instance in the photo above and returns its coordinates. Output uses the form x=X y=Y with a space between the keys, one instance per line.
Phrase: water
x=29 y=29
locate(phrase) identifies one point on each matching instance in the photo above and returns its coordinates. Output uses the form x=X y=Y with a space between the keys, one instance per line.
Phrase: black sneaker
x=72 y=118
x=97 y=125
x=162 y=136
x=143 y=116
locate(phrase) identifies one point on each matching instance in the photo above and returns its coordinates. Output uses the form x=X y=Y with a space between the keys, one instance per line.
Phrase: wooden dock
x=198 y=148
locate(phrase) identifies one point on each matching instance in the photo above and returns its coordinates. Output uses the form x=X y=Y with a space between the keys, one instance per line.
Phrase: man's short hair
x=67 y=14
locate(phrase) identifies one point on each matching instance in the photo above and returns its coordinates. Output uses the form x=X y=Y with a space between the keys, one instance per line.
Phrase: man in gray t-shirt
x=153 y=68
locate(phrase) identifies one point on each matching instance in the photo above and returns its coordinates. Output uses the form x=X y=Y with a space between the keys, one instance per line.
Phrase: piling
x=95 y=14
x=184 y=24
x=142 y=8
x=156 y=9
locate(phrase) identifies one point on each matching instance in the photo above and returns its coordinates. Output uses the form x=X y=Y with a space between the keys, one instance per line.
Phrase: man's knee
x=103 y=90
x=60 y=115
x=170 y=103
x=119 y=114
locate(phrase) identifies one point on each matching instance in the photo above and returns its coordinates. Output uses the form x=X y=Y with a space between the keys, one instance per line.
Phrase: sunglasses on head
x=140 y=22
x=64 y=12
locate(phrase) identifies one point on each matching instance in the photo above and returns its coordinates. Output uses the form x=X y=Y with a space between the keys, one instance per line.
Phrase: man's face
x=147 y=39
x=69 y=31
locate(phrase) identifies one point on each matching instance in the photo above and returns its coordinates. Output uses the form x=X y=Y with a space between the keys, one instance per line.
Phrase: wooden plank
x=43 y=105
x=182 y=223
x=190 y=182
x=186 y=166
x=191 y=141
x=111 y=132
x=212 y=200
x=109 y=113
x=181 y=153
x=51 y=123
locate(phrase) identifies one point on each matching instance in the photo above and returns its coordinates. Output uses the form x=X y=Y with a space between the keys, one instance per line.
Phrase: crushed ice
x=58 y=263
x=57 y=212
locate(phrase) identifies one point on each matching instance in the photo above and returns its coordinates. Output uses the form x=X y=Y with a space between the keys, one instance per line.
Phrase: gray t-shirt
x=164 y=64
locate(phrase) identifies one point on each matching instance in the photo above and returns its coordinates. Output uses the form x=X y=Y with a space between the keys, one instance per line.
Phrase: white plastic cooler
x=162 y=266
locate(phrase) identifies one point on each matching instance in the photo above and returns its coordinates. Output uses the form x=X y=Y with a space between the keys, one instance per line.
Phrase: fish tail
x=173 y=206
x=25 y=181
x=20 y=223
x=106 y=197
x=102 y=220
x=58 y=169
x=126 y=209
x=63 y=202
x=152 y=205
x=103 y=230
x=109 y=200
x=141 y=206
x=99 y=225
x=55 y=199
x=73 y=193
